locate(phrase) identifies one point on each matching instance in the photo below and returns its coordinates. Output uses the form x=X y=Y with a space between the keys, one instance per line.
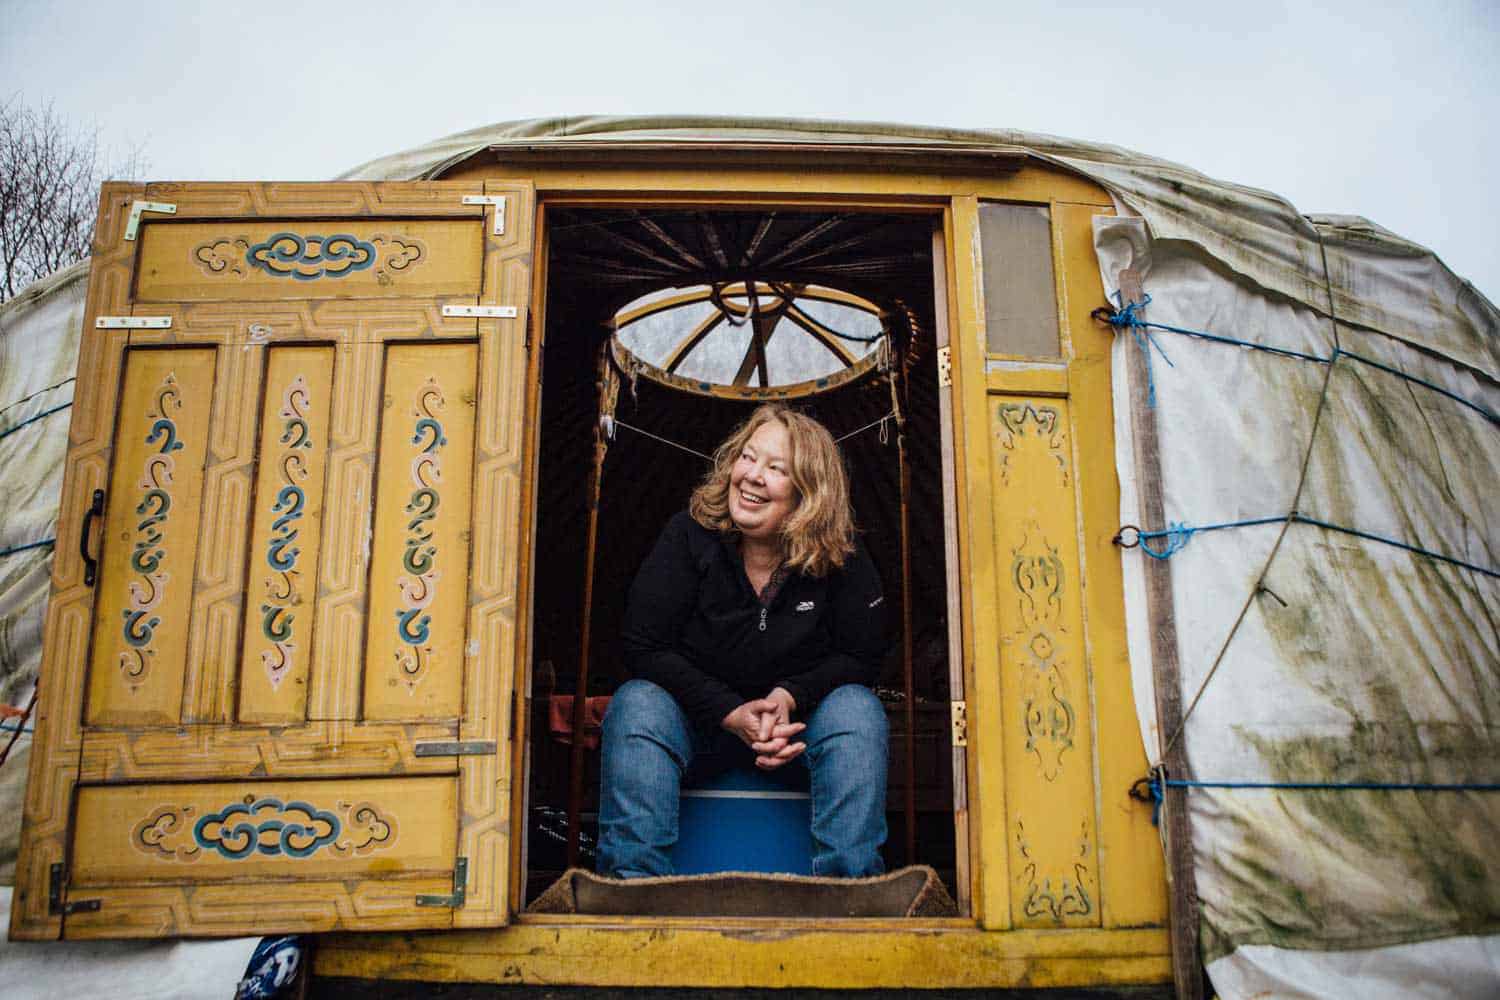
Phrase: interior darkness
x=602 y=259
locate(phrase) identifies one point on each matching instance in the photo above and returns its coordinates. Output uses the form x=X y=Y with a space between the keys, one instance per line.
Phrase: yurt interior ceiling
x=760 y=310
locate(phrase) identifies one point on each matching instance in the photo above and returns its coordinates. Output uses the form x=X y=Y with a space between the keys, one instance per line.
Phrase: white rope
x=674 y=444
x=861 y=430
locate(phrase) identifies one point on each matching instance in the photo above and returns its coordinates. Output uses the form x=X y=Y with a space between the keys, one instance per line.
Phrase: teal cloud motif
x=308 y=258
x=267 y=826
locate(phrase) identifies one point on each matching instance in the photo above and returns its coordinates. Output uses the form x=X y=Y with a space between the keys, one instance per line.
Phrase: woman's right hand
x=752 y=721
x=763 y=727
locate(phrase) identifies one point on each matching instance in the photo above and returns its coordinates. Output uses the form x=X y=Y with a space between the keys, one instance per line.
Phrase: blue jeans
x=650 y=745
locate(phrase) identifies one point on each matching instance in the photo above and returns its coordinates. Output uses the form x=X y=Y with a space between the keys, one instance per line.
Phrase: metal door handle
x=90 y=564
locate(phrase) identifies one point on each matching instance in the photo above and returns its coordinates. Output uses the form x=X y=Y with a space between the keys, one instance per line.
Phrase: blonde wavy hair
x=819 y=533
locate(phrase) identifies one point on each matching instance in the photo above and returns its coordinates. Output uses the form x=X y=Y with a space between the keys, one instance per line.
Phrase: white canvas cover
x=39 y=331
x=1381 y=666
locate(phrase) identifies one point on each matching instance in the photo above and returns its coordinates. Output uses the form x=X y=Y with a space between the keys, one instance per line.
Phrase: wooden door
x=282 y=702
x=1051 y=720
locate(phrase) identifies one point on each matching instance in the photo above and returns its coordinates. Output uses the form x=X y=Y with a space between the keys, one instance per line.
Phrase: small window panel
x=1020 y=297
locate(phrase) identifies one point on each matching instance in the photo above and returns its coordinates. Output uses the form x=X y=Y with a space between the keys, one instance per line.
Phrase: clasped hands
x=765 y=725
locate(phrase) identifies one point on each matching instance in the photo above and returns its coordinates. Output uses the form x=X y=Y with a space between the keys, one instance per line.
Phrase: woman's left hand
x=774 y=748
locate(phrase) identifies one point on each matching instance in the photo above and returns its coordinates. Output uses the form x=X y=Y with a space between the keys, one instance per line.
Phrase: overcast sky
x=1387 y=110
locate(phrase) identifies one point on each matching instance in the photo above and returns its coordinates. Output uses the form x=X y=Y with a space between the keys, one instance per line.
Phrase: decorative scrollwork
x=166 y=833
x=266 y=826
x=396 y=254
x=418 y=585
x=366 y=829
x=308 y=258
x=150 y=552
x=283 y=591
x=1058 y=897
x=1023 y=423
x=222 y=256
x=1049 y=718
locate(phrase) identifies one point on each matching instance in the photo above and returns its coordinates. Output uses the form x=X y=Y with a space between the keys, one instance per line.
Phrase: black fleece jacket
x=695 y=627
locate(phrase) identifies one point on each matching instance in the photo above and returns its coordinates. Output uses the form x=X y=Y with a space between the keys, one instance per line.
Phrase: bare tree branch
x=50 y=173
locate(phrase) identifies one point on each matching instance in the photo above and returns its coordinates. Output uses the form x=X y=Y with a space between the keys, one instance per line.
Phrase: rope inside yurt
x=617 y=422
x=613 y=422
x=881 y=422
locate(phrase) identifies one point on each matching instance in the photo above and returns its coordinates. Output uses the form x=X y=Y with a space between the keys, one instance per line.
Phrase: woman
x=753 y=631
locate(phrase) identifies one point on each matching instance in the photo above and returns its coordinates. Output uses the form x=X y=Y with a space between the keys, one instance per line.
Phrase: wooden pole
x=1176 y=828
x=607 y=392
x=954 y=603
x=908 y=681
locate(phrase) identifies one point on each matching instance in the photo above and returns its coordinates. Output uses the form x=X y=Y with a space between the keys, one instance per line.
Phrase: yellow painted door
x=277 y=677
x=1051 y=719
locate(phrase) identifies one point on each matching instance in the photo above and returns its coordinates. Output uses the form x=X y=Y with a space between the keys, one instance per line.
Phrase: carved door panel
x=1049 y=766
x=1049 y=463
x=282 y=702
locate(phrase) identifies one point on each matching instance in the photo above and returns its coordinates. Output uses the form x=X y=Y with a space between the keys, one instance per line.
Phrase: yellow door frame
x=1129 y=943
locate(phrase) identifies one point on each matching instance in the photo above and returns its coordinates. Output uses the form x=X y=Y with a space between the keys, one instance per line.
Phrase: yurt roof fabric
x=1373 y=278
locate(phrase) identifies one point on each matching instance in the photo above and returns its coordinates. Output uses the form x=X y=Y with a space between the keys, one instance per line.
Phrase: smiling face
x=761 y=493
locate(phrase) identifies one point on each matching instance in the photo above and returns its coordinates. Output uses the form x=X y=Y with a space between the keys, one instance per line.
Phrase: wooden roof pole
x=609 y=388
x=896 y=373
x=761 y=326
x=1176 y=828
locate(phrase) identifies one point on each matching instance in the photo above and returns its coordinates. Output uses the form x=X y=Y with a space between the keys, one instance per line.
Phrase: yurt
x=324 y=500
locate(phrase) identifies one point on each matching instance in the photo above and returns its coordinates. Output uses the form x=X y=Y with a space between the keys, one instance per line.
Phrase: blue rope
x=10 y=729
x=1155 y=785
x=1178 y=535
x=31 y=420
x=1488 y=414
x=1202 y=335
x=28 y=545
x=1398 y=544
x=1126 y=318
x=1368 y=786
x=40 y=392
x=1141 y=331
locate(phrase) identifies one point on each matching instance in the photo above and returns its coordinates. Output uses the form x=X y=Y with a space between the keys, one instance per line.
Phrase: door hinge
x=132 y=322
x=460 y=880
x=455 y=748
x=483 y=312
x=498 y=200
x=133 y=223
x=55 y=905
x=960 y=712
x=945 y=365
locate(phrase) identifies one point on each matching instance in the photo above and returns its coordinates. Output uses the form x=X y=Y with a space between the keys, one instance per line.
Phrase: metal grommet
x=1119 y=538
